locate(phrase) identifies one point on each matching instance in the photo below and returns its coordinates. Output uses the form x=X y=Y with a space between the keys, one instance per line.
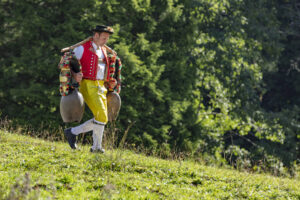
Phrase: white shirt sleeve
x=78 y=52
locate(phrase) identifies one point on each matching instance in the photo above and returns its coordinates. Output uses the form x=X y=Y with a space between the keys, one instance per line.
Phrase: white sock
x=83 y=128
x=98 y=130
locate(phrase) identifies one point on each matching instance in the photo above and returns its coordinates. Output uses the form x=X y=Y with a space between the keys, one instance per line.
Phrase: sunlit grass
x=40 y=169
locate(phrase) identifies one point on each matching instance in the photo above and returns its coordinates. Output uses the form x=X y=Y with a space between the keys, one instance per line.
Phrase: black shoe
x=97 y=150
x=71 y=138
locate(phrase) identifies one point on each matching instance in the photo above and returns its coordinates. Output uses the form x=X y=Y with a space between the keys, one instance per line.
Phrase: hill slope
x=34 y=168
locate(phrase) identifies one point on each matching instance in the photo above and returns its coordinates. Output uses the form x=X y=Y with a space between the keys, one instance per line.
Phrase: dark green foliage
x=218 y=77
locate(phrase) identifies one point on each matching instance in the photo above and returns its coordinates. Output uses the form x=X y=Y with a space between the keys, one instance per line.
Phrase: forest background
x=216 y=80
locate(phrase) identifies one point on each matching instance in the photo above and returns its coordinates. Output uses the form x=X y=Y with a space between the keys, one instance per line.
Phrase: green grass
x=36 y=169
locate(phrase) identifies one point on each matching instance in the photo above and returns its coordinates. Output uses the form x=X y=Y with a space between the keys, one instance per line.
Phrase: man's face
x=101 y=38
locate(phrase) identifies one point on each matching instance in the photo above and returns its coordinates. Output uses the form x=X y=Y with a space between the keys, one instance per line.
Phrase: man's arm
x=78 y=51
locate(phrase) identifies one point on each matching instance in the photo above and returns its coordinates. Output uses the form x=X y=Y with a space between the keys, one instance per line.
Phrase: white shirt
x=101 y=66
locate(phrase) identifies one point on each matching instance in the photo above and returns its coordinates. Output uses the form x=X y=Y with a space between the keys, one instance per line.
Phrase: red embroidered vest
x=89 y=62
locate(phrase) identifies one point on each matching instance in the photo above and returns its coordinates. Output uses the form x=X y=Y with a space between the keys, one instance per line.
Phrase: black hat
x=102 y=28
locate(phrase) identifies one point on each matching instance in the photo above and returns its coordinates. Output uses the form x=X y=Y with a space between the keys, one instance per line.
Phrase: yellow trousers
x=94 y=94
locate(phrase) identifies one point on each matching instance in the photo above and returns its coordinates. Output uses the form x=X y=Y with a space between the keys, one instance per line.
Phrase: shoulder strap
x=76 y=45
x=84 y=41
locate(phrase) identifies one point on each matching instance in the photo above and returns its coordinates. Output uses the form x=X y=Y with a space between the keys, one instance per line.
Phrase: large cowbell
x=72 y=107
x=113 y=105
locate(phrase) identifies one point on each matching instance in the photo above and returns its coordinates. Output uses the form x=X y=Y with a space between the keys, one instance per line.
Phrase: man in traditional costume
x=94 y=80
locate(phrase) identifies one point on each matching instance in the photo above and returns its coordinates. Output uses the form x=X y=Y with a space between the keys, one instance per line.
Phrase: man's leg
x=71 y=133
x=83 y=128
x=94 y=94
x=98 y=130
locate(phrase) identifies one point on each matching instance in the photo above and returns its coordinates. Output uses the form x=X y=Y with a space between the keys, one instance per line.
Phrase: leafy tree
x=201 y=77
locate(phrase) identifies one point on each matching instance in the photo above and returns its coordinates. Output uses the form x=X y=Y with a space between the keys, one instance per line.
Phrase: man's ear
x=96 y=35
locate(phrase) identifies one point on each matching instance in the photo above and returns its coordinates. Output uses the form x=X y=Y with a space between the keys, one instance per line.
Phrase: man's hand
x=112 y=83
x=77 y=76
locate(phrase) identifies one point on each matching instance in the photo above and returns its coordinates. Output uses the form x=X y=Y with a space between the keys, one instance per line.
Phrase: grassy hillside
x=37 y=169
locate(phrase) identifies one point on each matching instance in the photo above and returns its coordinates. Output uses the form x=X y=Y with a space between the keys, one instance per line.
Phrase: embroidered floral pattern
x=65 y=78
x=110 y=29
x=115 y=67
